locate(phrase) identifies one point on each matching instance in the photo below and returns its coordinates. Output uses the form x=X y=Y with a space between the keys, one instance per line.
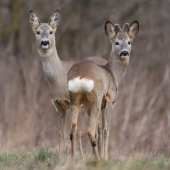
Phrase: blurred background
x=141 y=119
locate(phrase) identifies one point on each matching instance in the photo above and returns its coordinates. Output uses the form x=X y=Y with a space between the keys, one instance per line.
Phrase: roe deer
x=55 y=69
x=96 y=87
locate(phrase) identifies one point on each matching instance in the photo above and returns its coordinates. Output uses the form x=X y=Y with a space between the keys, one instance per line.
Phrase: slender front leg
x=74 y=111
x=106 y=141
x=106 y=116
x=100 y=146
x=103 y=127
x=61 y=121
x=78 y=138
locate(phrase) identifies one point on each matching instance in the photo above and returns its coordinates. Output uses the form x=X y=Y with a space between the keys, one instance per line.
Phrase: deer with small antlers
x=55 y=69
x=96 y=87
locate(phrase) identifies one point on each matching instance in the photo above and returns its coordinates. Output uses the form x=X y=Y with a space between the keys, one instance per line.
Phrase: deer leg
x=78 y=138
x=75 y=112
x=106 y=125
x=79 y=143
x=98 y=135
x=61 y=119
x=100 y=147
x=103 y=134
x=94 y=114
x=106 y=141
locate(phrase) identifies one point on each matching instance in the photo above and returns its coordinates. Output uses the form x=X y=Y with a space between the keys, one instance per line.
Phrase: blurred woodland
x=141 y=119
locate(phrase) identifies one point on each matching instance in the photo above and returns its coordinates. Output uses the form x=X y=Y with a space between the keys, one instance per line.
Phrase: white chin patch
x=45 y=54
x=45 y=46
x=124 y=56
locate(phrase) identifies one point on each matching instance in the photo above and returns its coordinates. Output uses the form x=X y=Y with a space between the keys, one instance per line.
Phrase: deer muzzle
x=124 y=54
x=45 y=44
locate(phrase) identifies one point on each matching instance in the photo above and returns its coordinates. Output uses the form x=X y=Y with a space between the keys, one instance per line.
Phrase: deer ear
x=133 y=29
x=54 y=20
x=33 y=20
x=110 y=29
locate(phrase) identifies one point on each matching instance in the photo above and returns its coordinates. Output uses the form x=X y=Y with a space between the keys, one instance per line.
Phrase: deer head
x=121 y=39
x=44 y=32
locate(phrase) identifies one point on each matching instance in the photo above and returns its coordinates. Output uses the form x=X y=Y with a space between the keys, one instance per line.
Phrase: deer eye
x=51 y=32
x=38 y=32
x=129 y=42
x=116 y=43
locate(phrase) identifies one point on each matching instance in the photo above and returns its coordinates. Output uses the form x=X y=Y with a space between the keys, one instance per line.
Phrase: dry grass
x=45 y=159
x=142 y=113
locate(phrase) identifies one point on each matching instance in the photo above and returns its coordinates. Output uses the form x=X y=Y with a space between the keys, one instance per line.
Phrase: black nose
x=44 y=42
x=124 y=53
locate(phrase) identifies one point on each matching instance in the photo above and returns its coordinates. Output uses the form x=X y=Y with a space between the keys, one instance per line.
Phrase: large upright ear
x=54 y=20
x=33 y=20
x=133 y=29
x=110 y=29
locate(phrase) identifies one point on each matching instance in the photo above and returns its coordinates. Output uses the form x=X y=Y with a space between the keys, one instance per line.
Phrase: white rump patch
x=47 y=54
x=78 y=84
x=48 y=69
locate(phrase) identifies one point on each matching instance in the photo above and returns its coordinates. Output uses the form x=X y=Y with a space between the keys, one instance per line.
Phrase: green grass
x=29 y=160
x=45 y=159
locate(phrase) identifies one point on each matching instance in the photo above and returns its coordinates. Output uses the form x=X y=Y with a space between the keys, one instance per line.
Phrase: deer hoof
x=94 y=143
x=71 y=135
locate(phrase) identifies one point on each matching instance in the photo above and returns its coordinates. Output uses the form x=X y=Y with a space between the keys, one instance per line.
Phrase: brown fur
x=57 y=81
x=106 y=81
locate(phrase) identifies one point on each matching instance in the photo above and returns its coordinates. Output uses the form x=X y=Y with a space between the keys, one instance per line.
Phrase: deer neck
x=52 y=65
x=117 y=67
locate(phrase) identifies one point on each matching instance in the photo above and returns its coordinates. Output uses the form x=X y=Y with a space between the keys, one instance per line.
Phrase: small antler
x=126 y=27
x=117 y=28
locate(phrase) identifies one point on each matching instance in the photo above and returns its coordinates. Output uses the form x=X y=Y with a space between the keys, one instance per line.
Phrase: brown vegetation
x=141 y=118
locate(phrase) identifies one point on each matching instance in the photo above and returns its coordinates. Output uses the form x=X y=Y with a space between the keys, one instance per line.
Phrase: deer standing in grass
x=55 y=69
x=96 y=87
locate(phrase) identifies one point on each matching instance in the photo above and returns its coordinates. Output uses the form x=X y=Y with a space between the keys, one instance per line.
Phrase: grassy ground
x=44 y=159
